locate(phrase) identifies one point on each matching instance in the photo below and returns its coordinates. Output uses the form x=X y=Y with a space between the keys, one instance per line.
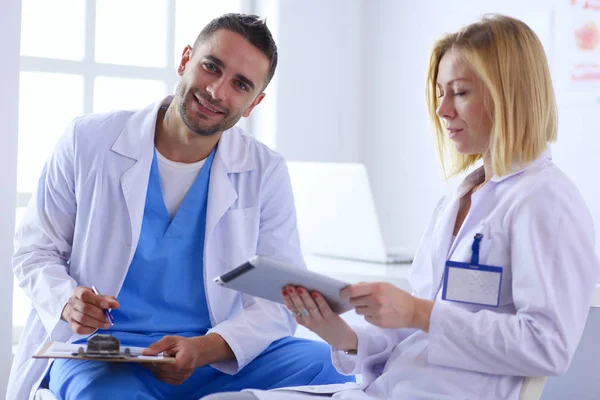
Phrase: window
x=88 y=56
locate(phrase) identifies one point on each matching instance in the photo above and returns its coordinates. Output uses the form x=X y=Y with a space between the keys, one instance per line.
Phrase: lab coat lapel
x=441 y=242
x=221 y=194
x=136 y=142
x=233 y=156
x=444 y=230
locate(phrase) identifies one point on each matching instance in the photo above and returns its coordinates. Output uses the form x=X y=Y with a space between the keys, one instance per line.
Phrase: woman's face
x=461 y=106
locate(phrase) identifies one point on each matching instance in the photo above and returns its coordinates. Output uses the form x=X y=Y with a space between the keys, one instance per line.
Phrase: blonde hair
x=509 y=59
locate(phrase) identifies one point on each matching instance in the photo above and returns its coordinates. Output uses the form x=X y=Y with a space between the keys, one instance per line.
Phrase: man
x=149 y=207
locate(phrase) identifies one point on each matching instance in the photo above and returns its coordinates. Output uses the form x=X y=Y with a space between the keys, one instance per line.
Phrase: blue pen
x=106 y=312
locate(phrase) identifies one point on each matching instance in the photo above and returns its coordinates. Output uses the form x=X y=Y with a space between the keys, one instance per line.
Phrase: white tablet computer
x=264 y=277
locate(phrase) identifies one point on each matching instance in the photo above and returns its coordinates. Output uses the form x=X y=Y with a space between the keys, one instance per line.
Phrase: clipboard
x=71 y=351
x=264 y=277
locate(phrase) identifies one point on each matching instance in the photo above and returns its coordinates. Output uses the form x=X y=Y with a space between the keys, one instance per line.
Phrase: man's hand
x=189 y=353
x=84 y=312
x=187 y=359
x=388 y=306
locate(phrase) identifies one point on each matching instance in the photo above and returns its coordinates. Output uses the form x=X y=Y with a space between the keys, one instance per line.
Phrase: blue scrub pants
x=287 y=362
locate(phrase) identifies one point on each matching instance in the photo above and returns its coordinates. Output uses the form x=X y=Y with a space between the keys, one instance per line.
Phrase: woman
x=504 y=275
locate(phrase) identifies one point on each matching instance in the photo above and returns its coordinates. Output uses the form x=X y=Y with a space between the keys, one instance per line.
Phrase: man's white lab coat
x=83 y=225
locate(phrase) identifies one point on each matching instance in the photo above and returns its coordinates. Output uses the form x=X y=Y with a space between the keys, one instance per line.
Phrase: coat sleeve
x=375 y=345
x=262 y=322
x=421 y=270
x=554 y=273
x=44 y=239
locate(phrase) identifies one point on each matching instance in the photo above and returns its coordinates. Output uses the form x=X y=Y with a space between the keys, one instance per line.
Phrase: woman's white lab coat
x=84 y=221
x=537 y=227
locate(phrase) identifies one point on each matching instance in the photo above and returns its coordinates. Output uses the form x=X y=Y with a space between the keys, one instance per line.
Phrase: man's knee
x=315 y=359
x=308 y=352
x=102 y=387
x=96 y=381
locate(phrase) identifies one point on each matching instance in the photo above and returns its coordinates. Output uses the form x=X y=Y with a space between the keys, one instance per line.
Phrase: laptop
x=336 y=213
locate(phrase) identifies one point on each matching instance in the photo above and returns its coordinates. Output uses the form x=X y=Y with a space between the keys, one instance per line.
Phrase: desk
x=352 y=271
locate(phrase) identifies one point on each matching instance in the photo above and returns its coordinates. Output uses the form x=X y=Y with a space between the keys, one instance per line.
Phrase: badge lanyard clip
x=475 y=248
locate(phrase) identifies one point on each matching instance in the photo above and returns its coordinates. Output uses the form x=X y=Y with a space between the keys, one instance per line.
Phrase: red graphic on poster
x=581 y=52
x=585 y=72
x=587 y=36
x=587 y=4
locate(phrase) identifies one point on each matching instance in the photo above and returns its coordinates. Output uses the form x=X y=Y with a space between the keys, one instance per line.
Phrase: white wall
x=263 y=121
x=578 y=143
x=319 y=80
x=10 y=22
x=397 y=146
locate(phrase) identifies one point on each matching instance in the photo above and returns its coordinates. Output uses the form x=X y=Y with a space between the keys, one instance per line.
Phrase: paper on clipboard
x=69 y=350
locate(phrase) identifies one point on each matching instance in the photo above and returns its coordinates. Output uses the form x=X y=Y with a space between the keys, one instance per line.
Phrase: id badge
x=472 y=283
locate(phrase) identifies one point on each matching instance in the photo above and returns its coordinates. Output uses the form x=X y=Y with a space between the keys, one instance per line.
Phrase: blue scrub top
x=163 y=292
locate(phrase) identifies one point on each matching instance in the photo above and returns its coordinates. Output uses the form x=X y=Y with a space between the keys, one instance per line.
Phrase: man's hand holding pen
x=85 y=310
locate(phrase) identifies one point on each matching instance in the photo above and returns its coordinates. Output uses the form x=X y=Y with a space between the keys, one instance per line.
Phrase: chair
x=581 y=381
x=532 y=388
x=44 y=394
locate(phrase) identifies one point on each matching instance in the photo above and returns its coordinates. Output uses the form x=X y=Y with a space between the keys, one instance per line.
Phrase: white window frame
x=90 y=69
x=10 y=28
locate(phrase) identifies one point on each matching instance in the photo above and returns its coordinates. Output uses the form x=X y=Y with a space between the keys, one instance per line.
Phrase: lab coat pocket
x=495 y=251
x=237 y=236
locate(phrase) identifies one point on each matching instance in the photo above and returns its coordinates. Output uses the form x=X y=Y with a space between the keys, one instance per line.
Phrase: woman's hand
x=388 y=306
x=312 y=311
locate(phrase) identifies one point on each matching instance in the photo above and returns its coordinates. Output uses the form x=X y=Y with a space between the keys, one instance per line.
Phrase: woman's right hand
x=316 y=315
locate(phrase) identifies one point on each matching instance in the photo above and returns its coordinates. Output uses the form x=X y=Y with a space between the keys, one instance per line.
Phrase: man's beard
x=227 y=122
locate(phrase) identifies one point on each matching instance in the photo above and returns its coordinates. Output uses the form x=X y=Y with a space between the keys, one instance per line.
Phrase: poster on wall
x=581 y=45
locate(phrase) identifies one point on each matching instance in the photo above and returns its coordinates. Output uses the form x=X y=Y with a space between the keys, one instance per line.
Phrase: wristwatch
x=351 y=352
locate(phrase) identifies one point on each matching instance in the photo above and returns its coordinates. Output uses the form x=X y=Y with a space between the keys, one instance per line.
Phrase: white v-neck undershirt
x=176 y=179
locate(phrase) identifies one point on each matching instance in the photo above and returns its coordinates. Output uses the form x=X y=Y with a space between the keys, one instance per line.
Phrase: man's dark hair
x=252 y=28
